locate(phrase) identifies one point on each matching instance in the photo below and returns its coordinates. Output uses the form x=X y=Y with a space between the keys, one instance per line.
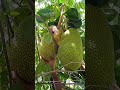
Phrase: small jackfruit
x=46 y=49
x=70 y=51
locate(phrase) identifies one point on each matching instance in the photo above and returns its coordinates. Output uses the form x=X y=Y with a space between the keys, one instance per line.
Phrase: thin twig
x=61 y=16
x=47 y=73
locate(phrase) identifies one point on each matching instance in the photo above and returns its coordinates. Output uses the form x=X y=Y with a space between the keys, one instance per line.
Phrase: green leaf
x=73 y=19
x=45 y=14
x=14 y=13
x=110 y=13
x=23 y=11
x=42 y=67
x=72 y=12
x=70 y=2
x=116 y=29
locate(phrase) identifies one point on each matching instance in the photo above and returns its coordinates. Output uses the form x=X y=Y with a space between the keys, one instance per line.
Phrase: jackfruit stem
x=61 y=16
x=57 y=84
x=55 y=46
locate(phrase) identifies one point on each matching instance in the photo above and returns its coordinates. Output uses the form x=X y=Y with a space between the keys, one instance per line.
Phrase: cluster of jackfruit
x=70 y=51
x=21 y=51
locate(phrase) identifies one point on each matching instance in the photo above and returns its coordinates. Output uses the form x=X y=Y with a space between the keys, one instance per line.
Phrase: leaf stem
x=61 y=16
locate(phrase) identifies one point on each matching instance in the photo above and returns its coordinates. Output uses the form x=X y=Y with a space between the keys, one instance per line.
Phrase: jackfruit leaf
x=111 y=17
x=45 y=14
x=14 y=13
x=116 y=42
x=66 y=2
x=74 y=24
x=42 y=68
x=25 y=3
x=23 y=11
x=73 y=19
x=54 y=22
x=110 y=14
x=70 y=2
x=116 y=29
x=23 y=14
x=48 y=38
x=72 y=12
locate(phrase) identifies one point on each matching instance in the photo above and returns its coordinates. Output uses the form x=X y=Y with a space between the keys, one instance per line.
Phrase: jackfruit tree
x=102 y=72
x=60 y=45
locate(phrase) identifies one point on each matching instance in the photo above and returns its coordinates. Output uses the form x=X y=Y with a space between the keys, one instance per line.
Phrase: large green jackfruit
x=47 y=50
x=70 y=51
x=99 y=51
x=21 y=50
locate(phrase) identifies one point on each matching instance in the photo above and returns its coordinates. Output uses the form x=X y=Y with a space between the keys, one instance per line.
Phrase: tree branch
x=61 y=16
x=9 y=27
x=5 y=53
x=56 y=82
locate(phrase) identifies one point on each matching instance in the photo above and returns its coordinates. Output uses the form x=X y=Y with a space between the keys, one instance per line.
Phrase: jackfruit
x=47 y=51
x=70 y=51
x=21 y=50
x=99 y=50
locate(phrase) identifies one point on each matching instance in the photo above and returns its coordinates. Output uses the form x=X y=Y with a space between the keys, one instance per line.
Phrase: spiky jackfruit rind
x=70 y=51
x=99 y=50
x=21 y=51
